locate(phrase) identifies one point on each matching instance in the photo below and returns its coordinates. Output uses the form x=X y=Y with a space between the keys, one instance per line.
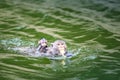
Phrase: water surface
x=90 y=25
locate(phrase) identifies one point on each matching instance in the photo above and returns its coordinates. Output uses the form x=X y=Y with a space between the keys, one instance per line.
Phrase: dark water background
x=90 y=25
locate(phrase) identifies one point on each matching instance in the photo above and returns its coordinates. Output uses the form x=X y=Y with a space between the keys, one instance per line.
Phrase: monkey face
x=43 y=42
x=60 y=45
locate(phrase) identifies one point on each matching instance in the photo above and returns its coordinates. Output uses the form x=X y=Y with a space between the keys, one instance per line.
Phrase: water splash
x=28 y=48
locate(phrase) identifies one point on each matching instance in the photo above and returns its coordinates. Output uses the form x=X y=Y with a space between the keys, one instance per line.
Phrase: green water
x=90 y=25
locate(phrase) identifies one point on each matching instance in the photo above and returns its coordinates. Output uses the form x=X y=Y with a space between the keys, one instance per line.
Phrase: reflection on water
x=91 y=26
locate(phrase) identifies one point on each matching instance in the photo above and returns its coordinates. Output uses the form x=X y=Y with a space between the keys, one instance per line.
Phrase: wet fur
x=53 y=49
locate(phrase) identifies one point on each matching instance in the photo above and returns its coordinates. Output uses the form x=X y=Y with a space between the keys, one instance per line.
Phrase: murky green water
x=90 y=25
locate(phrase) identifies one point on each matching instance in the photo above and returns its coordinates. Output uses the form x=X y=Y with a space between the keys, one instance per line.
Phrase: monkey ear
x=65 y=46
x=38 y=42
x=51 y=44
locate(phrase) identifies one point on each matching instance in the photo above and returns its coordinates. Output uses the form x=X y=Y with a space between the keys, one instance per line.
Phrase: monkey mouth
x=61 y=48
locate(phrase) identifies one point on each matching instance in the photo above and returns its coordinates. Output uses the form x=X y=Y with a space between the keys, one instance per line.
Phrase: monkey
x=42 y=48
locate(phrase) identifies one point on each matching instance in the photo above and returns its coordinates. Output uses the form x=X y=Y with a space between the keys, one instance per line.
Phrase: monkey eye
x=62 y=44
x=58 y=44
